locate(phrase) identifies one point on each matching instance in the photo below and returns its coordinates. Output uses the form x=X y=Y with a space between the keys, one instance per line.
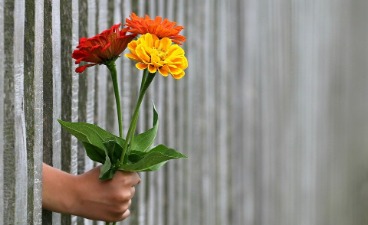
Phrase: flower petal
x=159 y=27
x=158 y=54
x=106 y=46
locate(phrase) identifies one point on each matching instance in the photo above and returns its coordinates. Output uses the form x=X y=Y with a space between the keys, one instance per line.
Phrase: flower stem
x=146 y=81
x=112 y=68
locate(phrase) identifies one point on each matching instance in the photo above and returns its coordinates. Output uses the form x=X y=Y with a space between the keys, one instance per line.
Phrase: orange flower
x=160 y=28
x=101 y=48
x=156 y=54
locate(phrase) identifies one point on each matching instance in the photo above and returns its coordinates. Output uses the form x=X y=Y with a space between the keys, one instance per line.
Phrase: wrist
x=78 y=196
x=69 y=198
x=58 y=192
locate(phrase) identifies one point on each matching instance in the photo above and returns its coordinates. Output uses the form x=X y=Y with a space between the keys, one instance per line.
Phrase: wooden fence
x=272 y=112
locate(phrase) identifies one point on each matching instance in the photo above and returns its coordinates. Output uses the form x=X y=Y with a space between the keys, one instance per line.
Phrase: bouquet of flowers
x=154 y=45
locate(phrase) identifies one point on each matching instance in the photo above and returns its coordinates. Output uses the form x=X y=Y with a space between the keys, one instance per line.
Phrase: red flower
x=101 y=48
x=160 y=28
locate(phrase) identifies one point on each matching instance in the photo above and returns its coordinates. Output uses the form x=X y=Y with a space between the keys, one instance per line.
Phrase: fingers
x=125 y=215
x=136 y=179
x=123 y=200
x=118 y=217
x=105 y=200
x=128 y=178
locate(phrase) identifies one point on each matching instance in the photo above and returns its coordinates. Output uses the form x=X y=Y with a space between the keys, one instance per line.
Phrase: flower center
x=159 y=53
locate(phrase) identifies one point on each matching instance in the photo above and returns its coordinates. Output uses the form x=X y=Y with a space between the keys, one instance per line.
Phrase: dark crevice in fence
x=29 y=103
x=9 y=130
x=48 y=90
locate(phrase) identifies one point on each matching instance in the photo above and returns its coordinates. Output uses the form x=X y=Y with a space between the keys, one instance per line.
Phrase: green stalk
x=146 y=81
x=112 y=68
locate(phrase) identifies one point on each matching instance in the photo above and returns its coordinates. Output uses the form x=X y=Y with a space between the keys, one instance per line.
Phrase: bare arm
x=86 y=196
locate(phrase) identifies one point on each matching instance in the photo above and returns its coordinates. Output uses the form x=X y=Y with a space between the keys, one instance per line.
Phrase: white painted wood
x=19 y=118
x=102 y=70
x=90 y=73
x=75 y=88
x=38 y=112
x=56 y=82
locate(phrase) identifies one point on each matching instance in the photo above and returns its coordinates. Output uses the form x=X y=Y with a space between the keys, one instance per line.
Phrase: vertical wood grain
x=91 y=74
x=193 y=187
x=20 y=147
x=9 y=133
x=38 y=111
x=2 y=112
x=29 y=76
x=178 y=130
x=47 y=96
x=83 y=80
x=102 y=78
x=222 y=109
x=57 y=94
x=75 y=86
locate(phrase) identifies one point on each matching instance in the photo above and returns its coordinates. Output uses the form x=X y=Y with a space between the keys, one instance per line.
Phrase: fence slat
x=9 y=132
x=2 y=112
x=20 y=148
x=38 y=111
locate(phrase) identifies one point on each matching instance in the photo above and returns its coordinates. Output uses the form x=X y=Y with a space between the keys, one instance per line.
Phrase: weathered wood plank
x=9 y=132
x=57 y=94
x=20 y=148
x=33 y=107
x=221 y=109
x=2 y=112
x=102 y=78
x=195 y=106
x=91 y=74
x=66 y=87
x=47 y=96
x=38 y=111
x=177 y=133
x=75 y=87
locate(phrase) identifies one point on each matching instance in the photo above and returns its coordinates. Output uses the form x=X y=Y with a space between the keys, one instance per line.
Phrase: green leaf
x=107 y=171
x=143 y=141
x=101 y=146
x=155 y=167
x=135 y=156
x=94 y=153
x=150 y=160
x=114 y=148
x=88 y=133
x=93 y=138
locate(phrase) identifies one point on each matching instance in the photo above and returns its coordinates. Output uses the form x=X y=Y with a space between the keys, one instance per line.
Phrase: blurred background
x=272 y=111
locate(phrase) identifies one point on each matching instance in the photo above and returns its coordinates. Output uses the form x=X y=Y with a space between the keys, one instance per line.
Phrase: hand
x=87 y=196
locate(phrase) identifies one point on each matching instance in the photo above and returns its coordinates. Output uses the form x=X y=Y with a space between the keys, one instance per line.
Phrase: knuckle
x=125 y=196
x=137 y=179
x=122 y=196
x=131 y=179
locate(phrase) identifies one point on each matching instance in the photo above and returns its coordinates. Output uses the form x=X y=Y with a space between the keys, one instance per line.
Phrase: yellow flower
x=158 y=55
